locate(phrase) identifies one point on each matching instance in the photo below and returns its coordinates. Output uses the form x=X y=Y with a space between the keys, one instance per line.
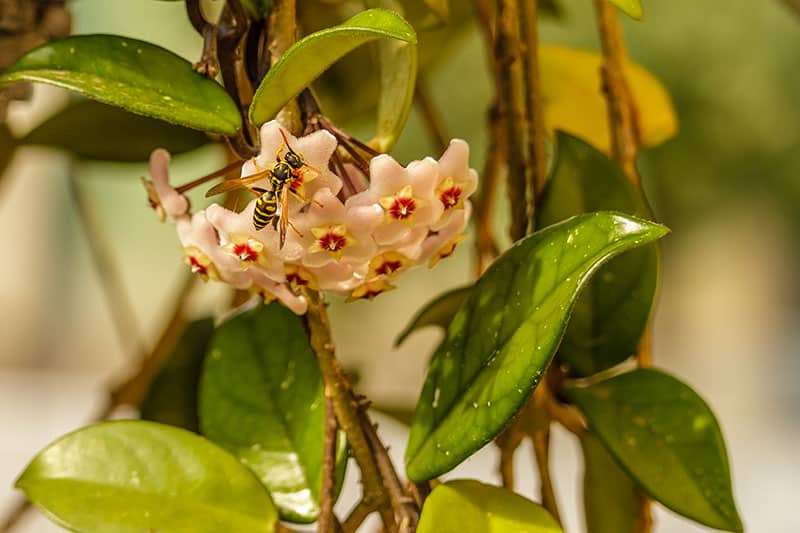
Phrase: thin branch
x=512 y=107
x=133 y=390
x=540 y=437
x=209 y=64
x=121 y=310
x=15 y=515
x=536 y=155
x=281 y=35
x=622 y=112
x=344 y=403
x=327 y=494
x=486 y=248
x=430 y=114
x=403 y=505
x=357 y=516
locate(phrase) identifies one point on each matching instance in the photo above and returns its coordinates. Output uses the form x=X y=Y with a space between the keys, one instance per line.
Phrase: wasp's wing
x=237 y=183
x=284 y=222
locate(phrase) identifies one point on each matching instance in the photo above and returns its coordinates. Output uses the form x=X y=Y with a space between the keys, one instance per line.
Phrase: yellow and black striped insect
x=282 y=176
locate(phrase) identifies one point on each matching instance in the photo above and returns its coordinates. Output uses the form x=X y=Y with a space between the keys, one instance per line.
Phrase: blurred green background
x=728 y=185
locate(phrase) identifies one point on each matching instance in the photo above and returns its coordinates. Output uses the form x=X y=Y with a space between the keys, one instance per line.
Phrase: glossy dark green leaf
x=313 y=54
x=135 y=75
x=609 y=495
x=667 y=439
x=91 y=130
x=469 y=506
x=133 y=476
x=612 y=312
x=437 y=312
x=503 y=337
x=261 y=398
x=172 y=397
x=632 y=8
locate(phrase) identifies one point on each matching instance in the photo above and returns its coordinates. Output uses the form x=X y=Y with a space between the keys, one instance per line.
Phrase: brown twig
x=622 y=113
x=540 y=437
x=327 y=494
x=281 y=35
x=486 y=248
x=403 y=505
x=510 y=91
x=345 y=405
x=15 y=515
x=357 y=516
x=536 y=155
x=430 y=114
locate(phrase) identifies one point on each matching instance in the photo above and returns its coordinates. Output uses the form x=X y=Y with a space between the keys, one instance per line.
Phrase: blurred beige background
x=728 y=185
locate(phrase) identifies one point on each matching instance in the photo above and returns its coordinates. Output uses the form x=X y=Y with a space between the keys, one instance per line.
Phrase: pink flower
x=352 y=240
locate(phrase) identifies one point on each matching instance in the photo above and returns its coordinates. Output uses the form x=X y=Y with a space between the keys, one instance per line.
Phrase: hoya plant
x=248 y=418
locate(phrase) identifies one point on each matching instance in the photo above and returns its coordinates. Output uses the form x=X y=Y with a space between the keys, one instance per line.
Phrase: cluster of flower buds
x=350 y=235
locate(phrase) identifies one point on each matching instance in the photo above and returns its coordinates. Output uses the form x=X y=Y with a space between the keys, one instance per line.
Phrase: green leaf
x=133 y=476
x=469 y=506
x=172 y=397
x=612 y=312
x=632 y=8
x=437 y=312
x=312 y=55
x=91 y=130
x=135 y=75
x=503 y=337
x=610 y=499
x=261 y=397
x=257 y=8
x=666 y=437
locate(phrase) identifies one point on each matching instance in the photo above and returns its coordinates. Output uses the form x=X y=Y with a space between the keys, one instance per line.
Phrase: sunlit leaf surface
x=138 y=76
x=667 y=439
x=261 y=398
x=134 y=476
x=313 y=54
x=469 y=506
x=503 y=337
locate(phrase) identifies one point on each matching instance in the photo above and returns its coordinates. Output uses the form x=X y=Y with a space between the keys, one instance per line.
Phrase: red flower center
x=332 y=242
x=449 y=197
x=402 y=208
x=388 y=267
x=197 y=267
x=245 y=253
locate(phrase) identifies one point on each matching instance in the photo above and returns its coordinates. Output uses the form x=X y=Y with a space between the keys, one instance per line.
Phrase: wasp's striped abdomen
x=266 y=210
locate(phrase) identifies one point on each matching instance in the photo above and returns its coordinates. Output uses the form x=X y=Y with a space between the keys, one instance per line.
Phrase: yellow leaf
x=574 y=102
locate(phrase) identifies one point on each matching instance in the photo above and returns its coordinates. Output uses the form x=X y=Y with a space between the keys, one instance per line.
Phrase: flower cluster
x=352 y=244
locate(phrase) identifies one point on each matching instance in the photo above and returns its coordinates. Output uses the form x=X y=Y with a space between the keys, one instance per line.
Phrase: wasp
x=288 y=168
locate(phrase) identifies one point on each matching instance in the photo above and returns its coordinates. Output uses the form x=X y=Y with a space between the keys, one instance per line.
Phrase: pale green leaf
x=469 y=506
x=134 y=476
